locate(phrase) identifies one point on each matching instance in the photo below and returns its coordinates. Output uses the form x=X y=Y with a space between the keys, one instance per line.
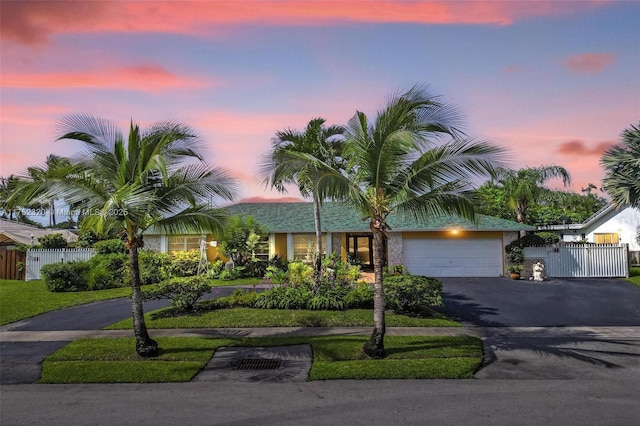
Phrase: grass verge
x=251 y=317
x=113 y=360
x=634 y=276
x=25 y=299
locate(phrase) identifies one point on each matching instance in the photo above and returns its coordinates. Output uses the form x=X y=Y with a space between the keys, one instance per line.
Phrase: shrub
x=359 y=297
x=155 y=267
x=108 y=271
x=185 y=263
x=299 y=274
x=231 y=274
x=52 y=241
x=183 y=293
x=276 y=275
x=242 y=298
x=215 y=268
x=412 y=293
x=70 y=276
x=284 y=298
x=110 y=247
x=397 y=269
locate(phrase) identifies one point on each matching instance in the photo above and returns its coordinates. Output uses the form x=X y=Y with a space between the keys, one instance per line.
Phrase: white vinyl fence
x=37 y=258
x=582 y=260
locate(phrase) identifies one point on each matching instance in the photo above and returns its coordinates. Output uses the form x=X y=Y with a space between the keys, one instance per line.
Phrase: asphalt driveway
x=502 y=302
x=557 y=329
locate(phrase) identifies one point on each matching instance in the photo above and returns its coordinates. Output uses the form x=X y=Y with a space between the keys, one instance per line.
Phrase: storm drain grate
x=256 y=364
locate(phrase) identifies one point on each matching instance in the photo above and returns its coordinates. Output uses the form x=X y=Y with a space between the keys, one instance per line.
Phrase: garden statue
x=538 y=271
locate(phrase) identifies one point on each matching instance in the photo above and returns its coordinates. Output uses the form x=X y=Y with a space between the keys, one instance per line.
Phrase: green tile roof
x=338 y=217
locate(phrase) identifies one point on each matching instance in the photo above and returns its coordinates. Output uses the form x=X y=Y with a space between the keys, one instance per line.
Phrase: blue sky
x=554 y=82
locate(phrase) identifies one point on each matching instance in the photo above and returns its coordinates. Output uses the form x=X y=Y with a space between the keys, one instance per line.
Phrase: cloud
x=35 y=22
x=581 y=148
x=148 y=78
x=589 y=63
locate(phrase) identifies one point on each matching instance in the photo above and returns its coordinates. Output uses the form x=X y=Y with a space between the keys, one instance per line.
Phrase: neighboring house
x=14 y=233
x=610 y=225
x=443 y=246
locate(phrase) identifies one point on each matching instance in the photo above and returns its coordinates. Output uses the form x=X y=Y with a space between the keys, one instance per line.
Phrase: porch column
x=290 y=247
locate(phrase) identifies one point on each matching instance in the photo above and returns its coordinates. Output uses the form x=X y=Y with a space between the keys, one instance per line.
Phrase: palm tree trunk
x=374 y=347
x=317 y=258
x=145 y=346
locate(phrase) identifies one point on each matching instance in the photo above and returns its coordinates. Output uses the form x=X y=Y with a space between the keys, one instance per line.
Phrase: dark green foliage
x=412 y=293
x=183 y=293
x=69 y=276
x=108 y=271
x=359 y=297
x=110 y=246
x=529 y=240
x=52 y=241
x=284 y=298
x=154 y=267
x=242 y=237
x=515 y=254
x=549 y=238
x=241 y=298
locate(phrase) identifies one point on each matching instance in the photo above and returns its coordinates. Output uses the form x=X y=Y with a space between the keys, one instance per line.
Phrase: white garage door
x=453 y=258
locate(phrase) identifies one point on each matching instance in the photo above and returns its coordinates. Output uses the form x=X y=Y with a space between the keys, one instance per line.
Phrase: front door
x=360 y=249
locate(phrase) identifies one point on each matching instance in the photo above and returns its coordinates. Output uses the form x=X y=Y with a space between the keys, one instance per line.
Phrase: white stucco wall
x=625 y=224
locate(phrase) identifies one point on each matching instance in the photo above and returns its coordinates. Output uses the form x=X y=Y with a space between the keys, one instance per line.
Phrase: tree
x=398 y=163
x=156 y=178
x=296 y=158
x=622 y=169
x=55 y=167
x=524 y=186
x=241 y=237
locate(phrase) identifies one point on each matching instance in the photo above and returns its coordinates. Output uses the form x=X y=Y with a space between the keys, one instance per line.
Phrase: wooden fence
x=37 y=258
x=12 y=264
x=582 y=260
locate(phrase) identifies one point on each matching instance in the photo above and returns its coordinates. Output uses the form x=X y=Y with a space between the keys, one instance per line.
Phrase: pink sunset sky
x=553 y=82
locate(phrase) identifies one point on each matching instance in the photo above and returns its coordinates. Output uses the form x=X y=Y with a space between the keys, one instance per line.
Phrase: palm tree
x=295 y=158
x=54 y=167
x=398 y=164
x=524 y=186
x=622 y=168
x=157 y=178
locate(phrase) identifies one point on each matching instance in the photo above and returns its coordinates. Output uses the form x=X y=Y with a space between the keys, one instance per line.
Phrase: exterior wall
x=394 y=248
x=153 y=242
x=452 y=234
x=279 y=245
x=625 y=224
x=337 y=246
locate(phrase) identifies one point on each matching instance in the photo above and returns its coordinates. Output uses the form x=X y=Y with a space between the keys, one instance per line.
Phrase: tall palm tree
x=524 y=186
x=622 y=168
x=295 y=159
x=398 y=163
x=157 y=178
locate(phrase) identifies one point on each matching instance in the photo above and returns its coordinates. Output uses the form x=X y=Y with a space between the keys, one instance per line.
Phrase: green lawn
x=250 y=317
x=634 y=276
x=25 y=299
x=113 y=360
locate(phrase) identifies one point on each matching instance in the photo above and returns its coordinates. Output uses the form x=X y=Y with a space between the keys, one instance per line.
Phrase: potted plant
x=514 y=271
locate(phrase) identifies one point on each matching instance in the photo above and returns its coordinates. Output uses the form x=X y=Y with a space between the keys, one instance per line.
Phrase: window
x=262 y=249
x=184 y=243
x=303 y=245
x=610 y=238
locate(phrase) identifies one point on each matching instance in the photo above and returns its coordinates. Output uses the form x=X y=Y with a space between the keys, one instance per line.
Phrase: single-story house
x=439 y=247
x=609 y=225
x=14 y=233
